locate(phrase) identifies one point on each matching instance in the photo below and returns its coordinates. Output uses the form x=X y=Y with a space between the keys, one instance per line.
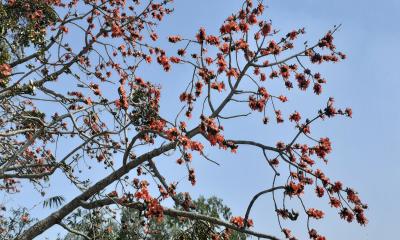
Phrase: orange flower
x=238 y=221
x=174 y=39
x=315 y=213
x=295 y=117
x=319 y=191
x=266 y=29
x=5 y=70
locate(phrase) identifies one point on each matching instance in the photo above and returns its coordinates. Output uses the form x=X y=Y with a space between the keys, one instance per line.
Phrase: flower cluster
x=315 y=213
x=239 y=222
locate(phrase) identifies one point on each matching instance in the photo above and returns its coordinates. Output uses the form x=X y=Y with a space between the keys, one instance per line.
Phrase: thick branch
x=179 y=213
x=74 y=231
x=246 y=217
x=57 y=216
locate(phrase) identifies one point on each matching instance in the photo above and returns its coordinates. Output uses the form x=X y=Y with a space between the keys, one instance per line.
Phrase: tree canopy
x=131 y=224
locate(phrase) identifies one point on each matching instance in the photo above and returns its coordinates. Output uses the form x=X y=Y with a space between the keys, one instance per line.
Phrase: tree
x=132 y=224
x=71 y=76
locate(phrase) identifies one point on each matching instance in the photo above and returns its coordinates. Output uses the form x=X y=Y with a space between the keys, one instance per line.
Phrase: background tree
x=88 y=96
x=131 y=224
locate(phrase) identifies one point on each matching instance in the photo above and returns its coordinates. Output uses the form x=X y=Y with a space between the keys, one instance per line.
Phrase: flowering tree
x=69 y=74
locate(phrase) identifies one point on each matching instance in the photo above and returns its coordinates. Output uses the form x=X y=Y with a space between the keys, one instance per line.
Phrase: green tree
x=23 y=24
x=132 y=225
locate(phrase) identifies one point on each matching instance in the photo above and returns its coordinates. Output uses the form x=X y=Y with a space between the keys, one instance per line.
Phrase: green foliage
x=133 y=226
x=143 y=114
x=13 y=222
x=55 y=201
x=23 y=24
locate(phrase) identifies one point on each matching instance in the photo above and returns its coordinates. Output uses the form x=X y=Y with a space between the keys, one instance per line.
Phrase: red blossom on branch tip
x=319 y=191
x=315 y=213
x=315 y=236
x=335 y=202
x=192 y=176
x=201 y=36
x=174 y=38
x=349 y=112
x=213 y=40
x=239 y=222
x=266 y=29
x=293 y=189
x=295 y=117
x=346 y=214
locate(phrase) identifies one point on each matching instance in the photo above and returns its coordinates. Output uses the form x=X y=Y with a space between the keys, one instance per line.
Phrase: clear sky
x=365 y=147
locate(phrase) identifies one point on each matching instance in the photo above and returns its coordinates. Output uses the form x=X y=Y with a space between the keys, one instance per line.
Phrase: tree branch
x=178 y=213
x=74 y=231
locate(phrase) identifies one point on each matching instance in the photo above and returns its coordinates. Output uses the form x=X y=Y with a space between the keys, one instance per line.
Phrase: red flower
x=192 y=176
x=302 y=81
x=212 y=40
x=292 y=35
x=172 y=133
x=116 y=30
x=293 y=189
x=349 y=112
x=154 y=36
x=337 y=186
x=323 y=148
x=238 y=221
x=244 y=27
x=5 y=70
x=201 y=36
x=64 y=28
x=273 y=74
x=252 y=19
x=278 y=115
x=295 y=117
x=263 y=77
x=113 y=194
x=233 y=72
x=317 y=88
x=346 y=214
x=287 y=232
x=175 y=59
x=285 y=71
x=263 y=92
x=315 y=213
x=154 y=209
x=174 y=39
x=319 y=191
x=266 y=29
x=280 y=145
x=282 y=98
x=25 y=218
x=199 y=87
x=218 y=86
x=221 y=63
x=181 y=52
x=352 y=196
x=255 y=104
x=229 y=27
x=164 y=61
x=335 y=202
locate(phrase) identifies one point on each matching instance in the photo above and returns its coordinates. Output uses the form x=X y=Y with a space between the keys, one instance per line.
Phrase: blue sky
x=365 y=147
